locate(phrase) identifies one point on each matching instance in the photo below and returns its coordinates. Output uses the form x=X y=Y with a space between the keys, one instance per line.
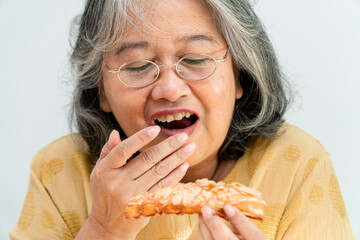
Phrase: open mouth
x=179 y=120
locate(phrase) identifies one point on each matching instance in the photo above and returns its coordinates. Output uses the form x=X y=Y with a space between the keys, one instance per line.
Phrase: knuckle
x=162 y=184
x=180 y=154
x=166 y=182
x=149 y=157
x=169 y=180
x=121 y=151
x=173 y=143
x=159 y=170
x=141 y=138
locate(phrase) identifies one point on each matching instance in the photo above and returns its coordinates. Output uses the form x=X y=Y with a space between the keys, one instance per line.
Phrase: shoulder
x=293 y=148
x=295 y=175
x=298 y=142
x=297 y=157
x=297 y=151
x=287 y=161
x=293 y=154
x=60 y=184
x=66 y=156
x=68 y=142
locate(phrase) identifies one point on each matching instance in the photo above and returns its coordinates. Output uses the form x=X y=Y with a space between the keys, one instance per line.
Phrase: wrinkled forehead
x=167 y=19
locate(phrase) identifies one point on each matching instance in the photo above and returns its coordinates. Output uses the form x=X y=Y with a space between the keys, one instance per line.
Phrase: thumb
x=114 y=139
x=242 y=225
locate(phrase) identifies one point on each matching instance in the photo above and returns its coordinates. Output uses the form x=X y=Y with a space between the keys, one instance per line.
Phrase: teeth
x=172 y=117
x=178 y=116
x=162 y=118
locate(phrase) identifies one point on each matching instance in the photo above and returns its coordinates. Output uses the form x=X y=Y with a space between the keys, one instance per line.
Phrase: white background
x=317 y=42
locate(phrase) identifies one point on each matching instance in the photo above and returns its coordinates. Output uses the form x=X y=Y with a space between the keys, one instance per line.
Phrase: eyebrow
x=143 y=44
x=131 y=45
x=198 y=37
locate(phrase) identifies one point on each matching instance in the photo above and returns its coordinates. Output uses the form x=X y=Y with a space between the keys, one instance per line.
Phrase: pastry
x=189 y=198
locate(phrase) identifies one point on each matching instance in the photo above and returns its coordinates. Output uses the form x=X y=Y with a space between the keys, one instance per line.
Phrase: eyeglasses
x=140 y=73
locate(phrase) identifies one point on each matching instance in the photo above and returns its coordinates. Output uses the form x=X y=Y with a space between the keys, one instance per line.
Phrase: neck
x=205 y=169
x=223 y=169
x=214 y=169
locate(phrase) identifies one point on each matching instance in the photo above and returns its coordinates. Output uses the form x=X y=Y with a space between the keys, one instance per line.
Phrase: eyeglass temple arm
x=225 y=56
x=109 y=70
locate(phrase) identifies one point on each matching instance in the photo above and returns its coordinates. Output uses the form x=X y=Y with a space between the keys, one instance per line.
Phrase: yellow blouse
x=294 y=174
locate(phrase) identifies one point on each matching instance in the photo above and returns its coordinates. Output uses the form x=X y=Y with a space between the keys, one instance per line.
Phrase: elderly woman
x=172 y=91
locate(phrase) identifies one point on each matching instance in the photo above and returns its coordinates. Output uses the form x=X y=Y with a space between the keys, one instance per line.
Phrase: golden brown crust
x=189 y=198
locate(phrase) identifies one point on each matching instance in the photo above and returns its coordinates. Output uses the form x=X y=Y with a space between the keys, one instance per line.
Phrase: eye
x=194 y=61
x=137 y=66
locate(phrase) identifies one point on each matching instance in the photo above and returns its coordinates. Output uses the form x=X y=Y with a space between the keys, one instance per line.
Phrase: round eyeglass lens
x=196 y=66
x=138 y=72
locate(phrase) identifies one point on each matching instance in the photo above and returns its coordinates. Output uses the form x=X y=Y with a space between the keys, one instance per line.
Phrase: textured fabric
x=294 y=173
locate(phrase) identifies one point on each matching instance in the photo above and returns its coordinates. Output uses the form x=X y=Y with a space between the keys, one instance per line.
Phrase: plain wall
x=317 y=43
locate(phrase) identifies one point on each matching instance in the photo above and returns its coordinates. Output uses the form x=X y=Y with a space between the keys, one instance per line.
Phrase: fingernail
x=206 y=212
x=229 y=210
x=189 y=147
x=182 y=137
x=153 y=131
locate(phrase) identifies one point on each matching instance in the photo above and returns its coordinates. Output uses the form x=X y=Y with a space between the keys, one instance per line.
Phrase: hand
x=213 y=227
x=113 y=182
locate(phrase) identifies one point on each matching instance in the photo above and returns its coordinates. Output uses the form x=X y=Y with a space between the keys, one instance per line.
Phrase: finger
x=114 y=139
x=164 y=167
x=151 y=156
x=238 y=235
x=174 y=177
x=203 y=231
x=216 y=226
x=233 y=229
x=242 y=224
x=124 y=150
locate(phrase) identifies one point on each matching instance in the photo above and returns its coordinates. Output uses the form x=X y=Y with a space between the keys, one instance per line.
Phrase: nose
x=169 y=86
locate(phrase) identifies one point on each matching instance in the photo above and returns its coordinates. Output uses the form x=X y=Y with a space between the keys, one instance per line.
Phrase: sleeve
x=43 y=216
x=316 y=210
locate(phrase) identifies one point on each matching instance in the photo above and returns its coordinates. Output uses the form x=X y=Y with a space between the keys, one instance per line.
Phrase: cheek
x=220 y=101
x=222 y=93
x=129 y=114
x=126 y=105
x=129 y=117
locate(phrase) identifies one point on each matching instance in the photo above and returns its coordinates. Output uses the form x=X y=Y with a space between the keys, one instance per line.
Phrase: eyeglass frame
x=162 y=65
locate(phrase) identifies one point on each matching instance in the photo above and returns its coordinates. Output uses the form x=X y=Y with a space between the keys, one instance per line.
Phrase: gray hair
x=258 y=114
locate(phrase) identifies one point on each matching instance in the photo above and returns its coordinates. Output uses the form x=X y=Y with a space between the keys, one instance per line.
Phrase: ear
x=104 y=103
x=239 y=91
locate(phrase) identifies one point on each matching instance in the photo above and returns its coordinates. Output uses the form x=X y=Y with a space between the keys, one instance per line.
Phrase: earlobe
x=104 y=103
x=239 y=92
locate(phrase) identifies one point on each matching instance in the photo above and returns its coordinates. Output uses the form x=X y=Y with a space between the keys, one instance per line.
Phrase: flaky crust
x=189 y=198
